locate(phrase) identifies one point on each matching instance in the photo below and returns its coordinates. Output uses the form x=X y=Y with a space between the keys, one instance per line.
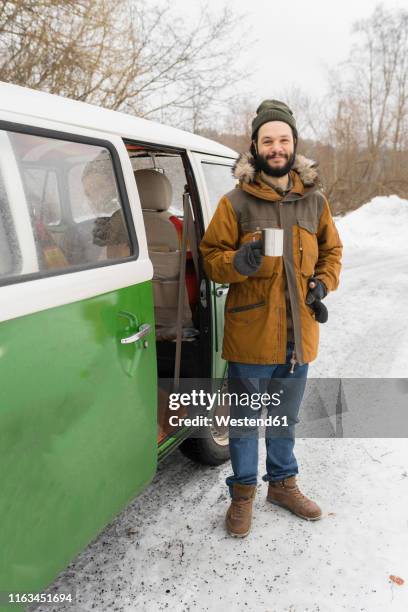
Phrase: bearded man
x=271 y=328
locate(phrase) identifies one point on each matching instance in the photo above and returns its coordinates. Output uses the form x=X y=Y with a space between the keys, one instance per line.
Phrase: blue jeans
x=280 y=459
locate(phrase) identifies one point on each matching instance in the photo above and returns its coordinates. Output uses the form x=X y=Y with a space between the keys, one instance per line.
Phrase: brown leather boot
x=287 y=494
x=239 y=514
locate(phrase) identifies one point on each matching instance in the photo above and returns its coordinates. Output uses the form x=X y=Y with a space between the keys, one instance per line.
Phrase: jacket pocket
x=246 y=303
x=240 y=316
x=246 y=307
x=308 y=246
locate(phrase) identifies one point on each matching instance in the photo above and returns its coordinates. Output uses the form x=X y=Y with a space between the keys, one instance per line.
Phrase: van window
x=10 y=259
x=73 y=201
x=161 y=179
x=172 y=167
x=42 y=185
x=219 y=180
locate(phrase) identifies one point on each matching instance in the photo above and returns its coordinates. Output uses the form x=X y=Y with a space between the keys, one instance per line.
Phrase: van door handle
x=220 y=291
x=144 y=329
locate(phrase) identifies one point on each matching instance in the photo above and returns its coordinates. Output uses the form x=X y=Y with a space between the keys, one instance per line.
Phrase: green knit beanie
x=273 y=110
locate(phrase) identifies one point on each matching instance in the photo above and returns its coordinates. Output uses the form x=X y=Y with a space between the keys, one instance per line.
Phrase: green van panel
x=78 y=429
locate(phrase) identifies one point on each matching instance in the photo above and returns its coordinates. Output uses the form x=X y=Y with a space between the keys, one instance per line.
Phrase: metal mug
x=272 y=242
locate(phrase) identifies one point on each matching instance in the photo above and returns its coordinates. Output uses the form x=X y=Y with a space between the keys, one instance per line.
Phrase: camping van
x=102 y=295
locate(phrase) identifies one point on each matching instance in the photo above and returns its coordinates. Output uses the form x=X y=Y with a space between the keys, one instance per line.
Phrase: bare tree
x=381 y=69
x=374 y=89
x=123 y=54
x=358 y=132
x=367 y=132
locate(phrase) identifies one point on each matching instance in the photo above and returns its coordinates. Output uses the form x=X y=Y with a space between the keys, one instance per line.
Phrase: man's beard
x=261 y=163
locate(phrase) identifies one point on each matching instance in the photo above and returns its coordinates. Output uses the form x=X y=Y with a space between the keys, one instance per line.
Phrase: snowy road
x=367 y=335
x=168 y=550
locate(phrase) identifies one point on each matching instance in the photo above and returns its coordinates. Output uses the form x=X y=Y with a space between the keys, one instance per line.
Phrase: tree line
x=145 y=59
x=358 y=132
x=138 y=57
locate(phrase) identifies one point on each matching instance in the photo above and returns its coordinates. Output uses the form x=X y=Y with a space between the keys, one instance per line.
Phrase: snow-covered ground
x=168 y=550
x=366 y=335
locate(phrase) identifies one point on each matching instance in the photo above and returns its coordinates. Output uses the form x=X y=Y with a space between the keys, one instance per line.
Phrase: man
x=101 y=234
x=99 y=185
x=270 y=331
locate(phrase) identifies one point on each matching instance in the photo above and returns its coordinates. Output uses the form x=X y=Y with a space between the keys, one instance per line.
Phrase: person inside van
x=270 y=329
x=104 y=235
x=100 y=188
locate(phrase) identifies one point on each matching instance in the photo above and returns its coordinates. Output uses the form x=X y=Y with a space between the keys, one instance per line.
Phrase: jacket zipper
x=300 y=251
x=246 y=307
x=280 y=324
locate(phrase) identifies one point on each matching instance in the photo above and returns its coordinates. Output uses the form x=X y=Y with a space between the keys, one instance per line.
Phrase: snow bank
x=380 y=224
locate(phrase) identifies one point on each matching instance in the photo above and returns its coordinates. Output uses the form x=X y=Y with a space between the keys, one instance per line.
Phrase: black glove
x=318 y=292
x=320 y=311
x=247 y=260
x=313 y=297
x=109 y=231
x=101 y=230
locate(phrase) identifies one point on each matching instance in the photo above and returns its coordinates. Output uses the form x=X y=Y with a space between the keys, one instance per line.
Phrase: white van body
x=85 y=336
x=42 y=110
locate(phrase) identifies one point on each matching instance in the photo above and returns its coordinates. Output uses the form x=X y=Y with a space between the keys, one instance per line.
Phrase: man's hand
x=317 y=290
x=320 y=311
x=248 y=258
x=109 y=231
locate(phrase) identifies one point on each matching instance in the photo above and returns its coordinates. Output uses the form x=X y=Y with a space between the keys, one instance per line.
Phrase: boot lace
x=239 y=507
x=297 y=493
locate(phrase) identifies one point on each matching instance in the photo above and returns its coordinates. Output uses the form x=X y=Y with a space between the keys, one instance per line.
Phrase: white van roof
x=38 y=104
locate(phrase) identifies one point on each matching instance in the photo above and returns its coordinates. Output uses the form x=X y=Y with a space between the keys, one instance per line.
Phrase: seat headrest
x=154 y=188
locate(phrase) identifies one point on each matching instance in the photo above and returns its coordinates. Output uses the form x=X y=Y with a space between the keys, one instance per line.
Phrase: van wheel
x=211 y=450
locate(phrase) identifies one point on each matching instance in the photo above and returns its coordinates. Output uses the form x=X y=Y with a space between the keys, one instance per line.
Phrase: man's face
x=275 y=148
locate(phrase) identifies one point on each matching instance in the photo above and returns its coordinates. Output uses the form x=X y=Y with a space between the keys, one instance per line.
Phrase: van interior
x=173 y=228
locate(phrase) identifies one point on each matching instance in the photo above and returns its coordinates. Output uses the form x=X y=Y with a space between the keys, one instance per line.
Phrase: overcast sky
x=297 y=42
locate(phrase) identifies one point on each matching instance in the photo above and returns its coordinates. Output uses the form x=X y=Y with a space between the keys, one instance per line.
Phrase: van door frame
x=196 y=159
x=171 y=442
x=199 y=212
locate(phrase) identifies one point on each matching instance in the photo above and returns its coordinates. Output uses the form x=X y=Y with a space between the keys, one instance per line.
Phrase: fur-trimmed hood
x=245 y=172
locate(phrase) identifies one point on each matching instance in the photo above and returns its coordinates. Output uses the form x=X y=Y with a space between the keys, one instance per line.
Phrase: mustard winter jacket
x=255 y=309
